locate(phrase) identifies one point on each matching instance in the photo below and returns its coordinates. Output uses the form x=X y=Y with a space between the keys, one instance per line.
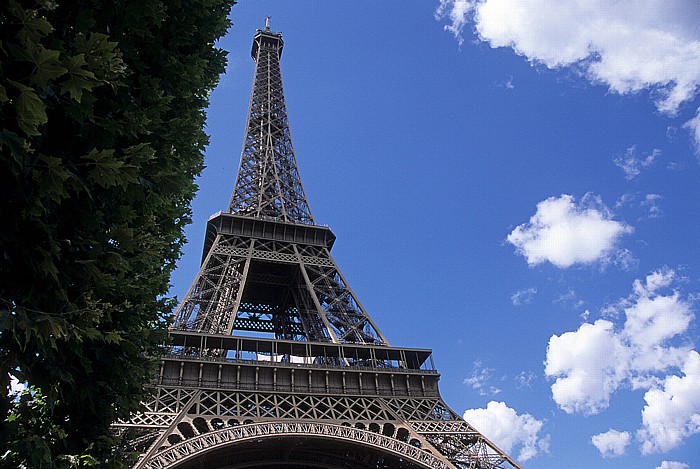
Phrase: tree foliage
x=102 y=108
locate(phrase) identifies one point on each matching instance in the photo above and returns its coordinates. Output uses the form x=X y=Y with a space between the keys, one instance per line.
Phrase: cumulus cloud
x=672 y=412
x=627 y=46
x=508 y=429
x=611 y=443
x=672 y=465
x=585 y=374
x=638 y=346
x=564 y=232
x=591 y=363
x=632 y=164
x=524 y=296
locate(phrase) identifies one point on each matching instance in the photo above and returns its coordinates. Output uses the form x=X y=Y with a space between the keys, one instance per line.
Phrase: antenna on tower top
x=267 y=23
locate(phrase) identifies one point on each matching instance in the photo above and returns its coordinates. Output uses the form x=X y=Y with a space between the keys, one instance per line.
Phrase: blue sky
x=512 y=184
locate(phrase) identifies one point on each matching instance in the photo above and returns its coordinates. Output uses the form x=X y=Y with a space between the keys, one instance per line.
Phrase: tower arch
x=290 y=444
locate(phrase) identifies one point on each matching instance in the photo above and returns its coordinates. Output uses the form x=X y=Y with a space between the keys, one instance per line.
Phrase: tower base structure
x=226 y=401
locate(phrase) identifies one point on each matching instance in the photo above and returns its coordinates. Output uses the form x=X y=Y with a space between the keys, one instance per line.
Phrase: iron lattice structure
x=274 y=362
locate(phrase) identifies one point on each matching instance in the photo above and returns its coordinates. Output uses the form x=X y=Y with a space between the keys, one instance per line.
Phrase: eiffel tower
x=273 y=362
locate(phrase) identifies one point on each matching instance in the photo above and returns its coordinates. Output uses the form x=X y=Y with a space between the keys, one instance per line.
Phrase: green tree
x=102 y=108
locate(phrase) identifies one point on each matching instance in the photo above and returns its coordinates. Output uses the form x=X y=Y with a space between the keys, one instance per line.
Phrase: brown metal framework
x=268 y=183
x=273 y=362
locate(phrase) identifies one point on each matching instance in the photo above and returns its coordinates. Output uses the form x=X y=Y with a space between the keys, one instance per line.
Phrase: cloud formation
x=693 y=126
x=524 y=379
x=651 y=204
x=585 y=374
x=566 y=233
x=508 y=429
x=611 y=443
x=627 y=46
x=570 y=298
x=639 y=345
x=673 y=465
x=632 y=164
x=523 y=296
x=672 y=412
x=479 y=380
x=589 y=364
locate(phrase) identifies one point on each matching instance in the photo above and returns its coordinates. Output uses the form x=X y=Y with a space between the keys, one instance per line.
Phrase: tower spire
x=268 y=185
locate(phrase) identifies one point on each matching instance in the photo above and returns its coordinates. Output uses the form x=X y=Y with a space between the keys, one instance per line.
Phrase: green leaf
x=106 y=170
x=33 y=25
x=47 y=67
x=31 y=110
x=78 y=79
x=50 y=175
x=121 y=129
x=101 y=55
x=48 y=267
x=113 y=338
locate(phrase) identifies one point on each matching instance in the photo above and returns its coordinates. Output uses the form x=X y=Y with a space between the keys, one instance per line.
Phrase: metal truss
x=305 y=297
x=268 y=183
x=420 y=429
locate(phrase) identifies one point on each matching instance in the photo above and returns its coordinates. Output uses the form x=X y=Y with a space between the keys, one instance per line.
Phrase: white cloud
x=625 y=260
x=587 y=367
x=570 y=298
x=524 y=380
x=611 y=443
x=627 y=46
x=693 y=126
x=524 y=296
x=591 y=363
x=672 y=412
x=632 y=165
x=673 y=465
x=507 y=84
x=655 y=319
x=457 y=11
x=624 y=199
x=654 y=282
x=650 y=202
x=566 y=233
x=508 y=429
x=479 y=380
